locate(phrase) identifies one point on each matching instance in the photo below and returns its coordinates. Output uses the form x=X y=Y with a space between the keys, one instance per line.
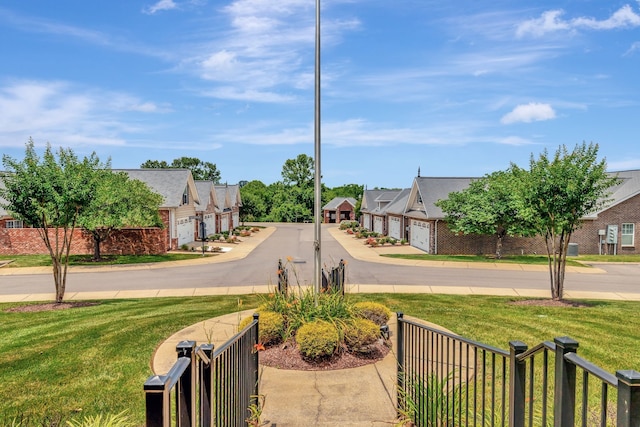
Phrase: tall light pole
x=317 y=280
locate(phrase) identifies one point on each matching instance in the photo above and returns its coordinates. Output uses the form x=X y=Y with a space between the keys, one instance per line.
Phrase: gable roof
x=432 y=189
x=628 y=187
x=169 y=183
x=206 y=190
x=398 y=205
x=337 y=201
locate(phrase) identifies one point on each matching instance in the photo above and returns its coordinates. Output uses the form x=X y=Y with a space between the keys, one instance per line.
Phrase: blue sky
x=455 y=88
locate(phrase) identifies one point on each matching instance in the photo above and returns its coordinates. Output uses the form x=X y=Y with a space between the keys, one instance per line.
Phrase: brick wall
x=22 y=241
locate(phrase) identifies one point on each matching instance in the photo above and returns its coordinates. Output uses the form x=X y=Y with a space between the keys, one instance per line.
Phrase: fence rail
x=447 y=380
x=225 y=380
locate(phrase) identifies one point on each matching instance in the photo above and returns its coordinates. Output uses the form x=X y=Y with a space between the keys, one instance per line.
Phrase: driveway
x=365 y=271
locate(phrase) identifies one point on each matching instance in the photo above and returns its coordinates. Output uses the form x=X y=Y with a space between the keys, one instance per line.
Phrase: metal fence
x=447 y=380
x=207 y=387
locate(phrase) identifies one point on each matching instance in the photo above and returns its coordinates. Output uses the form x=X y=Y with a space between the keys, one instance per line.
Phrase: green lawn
x=518 y=259
x=91 y=360
x=18 y=261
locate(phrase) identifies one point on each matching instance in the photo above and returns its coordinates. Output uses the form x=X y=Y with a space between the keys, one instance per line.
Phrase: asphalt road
x=295 y=241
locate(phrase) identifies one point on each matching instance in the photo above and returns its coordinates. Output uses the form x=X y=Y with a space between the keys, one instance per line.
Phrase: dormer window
x=185 y=196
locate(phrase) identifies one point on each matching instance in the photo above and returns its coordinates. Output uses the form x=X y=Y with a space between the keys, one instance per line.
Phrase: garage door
x=394 y=227
x=420 y=235
x=185 y=231
x=378 y=225
x=210 y=222
x=367 y=222
x=224 y=222
x=236 y=219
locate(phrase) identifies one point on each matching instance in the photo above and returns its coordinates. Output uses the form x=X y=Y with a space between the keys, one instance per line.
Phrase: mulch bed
x=32 y=308
x=287 y=356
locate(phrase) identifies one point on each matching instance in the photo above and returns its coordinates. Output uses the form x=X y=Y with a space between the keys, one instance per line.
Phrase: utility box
x=572 y=249
x=612 y=234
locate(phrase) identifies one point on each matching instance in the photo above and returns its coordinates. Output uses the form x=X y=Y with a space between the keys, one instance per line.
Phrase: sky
x=451 y=88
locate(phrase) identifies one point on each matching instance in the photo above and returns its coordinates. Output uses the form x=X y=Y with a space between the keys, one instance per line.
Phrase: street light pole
x=317 y=172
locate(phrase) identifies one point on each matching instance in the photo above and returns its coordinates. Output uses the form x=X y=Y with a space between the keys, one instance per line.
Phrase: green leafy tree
x=50 y=194
x=488 y=206
x=201 y=171
x=119 y=202
x=556 y=193
x=299 y=171
x=255 y=201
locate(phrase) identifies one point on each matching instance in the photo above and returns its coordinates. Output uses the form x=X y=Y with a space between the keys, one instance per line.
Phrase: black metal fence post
x=206 y=386
x=565 y=384
x=255 y=367
x=517 y=381
x=628 y=398
x=186 y=393
x=156 y=398
x=401 y=368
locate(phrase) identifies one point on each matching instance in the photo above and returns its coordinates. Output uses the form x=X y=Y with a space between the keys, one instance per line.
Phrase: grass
x=45 y=260
x=94 y=360
x=512 y=259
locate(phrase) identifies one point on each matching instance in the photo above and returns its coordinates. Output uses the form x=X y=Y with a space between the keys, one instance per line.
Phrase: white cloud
x=634 y=47
x=527 y=113
x=551 y=21
x=160 y=5
x=66 y=115
x=515 y=141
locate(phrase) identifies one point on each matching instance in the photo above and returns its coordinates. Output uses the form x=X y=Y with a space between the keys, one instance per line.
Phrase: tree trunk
x=96 y=247
x=58 y=278
x=499 y=242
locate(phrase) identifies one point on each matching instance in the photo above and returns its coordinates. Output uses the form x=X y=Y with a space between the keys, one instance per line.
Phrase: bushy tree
x=555 y=193
x=488 y=206
x=299 y=171
x=50 y=194
x=201 y=170
x=255 y=201
x=119 y=202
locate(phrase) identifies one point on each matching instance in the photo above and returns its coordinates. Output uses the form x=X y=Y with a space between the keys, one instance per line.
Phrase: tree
x=201 y=171
x=299 y=171
x=255 y=201
x=50 y=194
x=119 y=202
x=487 y=206
x=556 y=193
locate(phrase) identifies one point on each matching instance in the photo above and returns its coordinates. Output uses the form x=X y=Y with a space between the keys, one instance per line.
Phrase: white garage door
x=420 y=235
x=210 y=223
x=367 y=222
x=224 y=222
x=378 y=225
x=185 y=231
x=394 y=228
x=236 y=219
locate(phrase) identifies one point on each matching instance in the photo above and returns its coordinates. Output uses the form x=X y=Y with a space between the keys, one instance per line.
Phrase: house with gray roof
x=373 y=209
x=612 y=229
x=229 y=203
x=340 y=209
x=207 y=208
x=180 y=198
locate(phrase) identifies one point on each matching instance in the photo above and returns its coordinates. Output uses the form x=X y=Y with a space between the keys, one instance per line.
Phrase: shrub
x=270 y=327
x=317 y=339
x=108 y=420
x=376 y=312
x=360 y=334
x=184 y=247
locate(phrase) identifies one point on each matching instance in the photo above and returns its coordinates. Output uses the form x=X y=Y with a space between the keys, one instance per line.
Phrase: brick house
x=339 y=209
x=228 y=209
x=180 y=197
x=374 y=209
x=612 y=229
x=207 y=209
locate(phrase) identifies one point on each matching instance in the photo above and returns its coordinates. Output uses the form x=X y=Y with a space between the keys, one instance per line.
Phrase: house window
x=14 y=223
x=628 y=231
x=185 y=196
